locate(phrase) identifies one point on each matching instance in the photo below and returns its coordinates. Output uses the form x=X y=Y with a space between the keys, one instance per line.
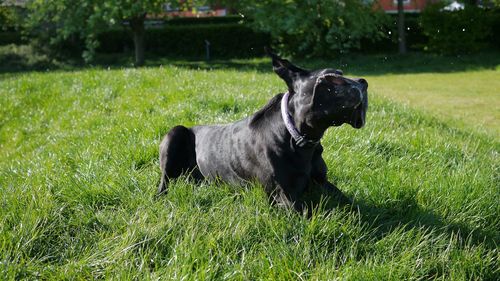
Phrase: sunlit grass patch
x=467 y=99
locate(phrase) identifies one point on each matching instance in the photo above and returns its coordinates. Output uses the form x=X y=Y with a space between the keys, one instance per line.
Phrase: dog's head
x=324 y=97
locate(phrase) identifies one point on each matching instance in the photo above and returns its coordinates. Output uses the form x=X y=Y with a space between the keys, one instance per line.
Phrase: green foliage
x=55 y=22
x=22 y=57
x=415 y=39
x=317 y=27
x=204 y=20
x=79 y=166
x=10 y=37
x=8 y=18
x=454 y=32
x=494 y=37
x=226 y=40
x=9 y=24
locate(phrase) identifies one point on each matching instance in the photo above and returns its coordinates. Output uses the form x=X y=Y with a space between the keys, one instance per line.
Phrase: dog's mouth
x=356 y=118
x=355 y=105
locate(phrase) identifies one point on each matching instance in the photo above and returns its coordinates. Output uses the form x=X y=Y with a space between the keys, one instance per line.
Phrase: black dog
x=279 y=146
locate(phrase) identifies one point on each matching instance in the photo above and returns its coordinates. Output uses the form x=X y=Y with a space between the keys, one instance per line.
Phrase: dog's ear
x=285 y=69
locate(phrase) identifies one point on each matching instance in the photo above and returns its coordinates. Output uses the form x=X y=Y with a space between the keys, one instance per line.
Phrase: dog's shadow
x=382 y=220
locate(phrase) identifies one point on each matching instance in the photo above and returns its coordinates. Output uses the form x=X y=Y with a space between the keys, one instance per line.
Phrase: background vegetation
x=227 y=40
x=468 y=30
x=57 y=29
x=317 y=28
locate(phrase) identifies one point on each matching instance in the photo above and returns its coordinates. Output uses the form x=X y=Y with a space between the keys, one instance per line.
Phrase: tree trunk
x=401 y=28
x=137 y=26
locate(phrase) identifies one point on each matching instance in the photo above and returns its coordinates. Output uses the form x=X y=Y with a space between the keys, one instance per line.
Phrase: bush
x=226 y=40
x=22 y=57
x=317 y=28
x=9 y=18
x=494 y=37
x=415 y=39
x=463 y=31
x=10 y=37
x=205 y=20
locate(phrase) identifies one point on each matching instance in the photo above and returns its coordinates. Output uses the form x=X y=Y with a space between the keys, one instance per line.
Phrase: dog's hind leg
x=177 y=155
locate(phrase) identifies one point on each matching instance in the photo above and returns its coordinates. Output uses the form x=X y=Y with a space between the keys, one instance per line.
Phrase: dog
x=278 y=146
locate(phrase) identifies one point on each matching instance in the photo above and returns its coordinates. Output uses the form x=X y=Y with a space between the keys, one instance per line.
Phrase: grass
x=79 y=168
x=467 y=99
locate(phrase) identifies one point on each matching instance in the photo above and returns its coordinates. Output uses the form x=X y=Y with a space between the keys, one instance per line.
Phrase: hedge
x=10 y=37
x=415 y=39
x=229 y=37
x=226 y=40
x=464 y=31
x=204 y=20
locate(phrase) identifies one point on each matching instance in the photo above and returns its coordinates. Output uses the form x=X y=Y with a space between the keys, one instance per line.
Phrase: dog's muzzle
x=360 y=98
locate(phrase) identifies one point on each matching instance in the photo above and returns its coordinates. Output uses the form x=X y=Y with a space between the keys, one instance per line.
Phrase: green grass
x=79 y=169
x=467 y=99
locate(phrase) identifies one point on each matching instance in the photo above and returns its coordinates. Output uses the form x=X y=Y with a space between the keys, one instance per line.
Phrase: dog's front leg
x=336 y=193
x=318 y=177
x=288 y=198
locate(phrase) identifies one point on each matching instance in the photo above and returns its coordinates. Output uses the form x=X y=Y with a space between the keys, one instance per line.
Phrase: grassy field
x=468 y=100
x=79 y=168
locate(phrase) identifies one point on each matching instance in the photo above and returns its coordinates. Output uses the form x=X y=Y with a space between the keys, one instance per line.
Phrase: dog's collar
x=300 y=140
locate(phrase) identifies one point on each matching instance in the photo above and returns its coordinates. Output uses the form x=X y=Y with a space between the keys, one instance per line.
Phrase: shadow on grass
x=406 y=213
x=364 y=64
x=15 y=59
x=24 y=58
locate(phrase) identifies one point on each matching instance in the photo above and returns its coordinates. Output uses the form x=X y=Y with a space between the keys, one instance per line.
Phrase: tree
x=133 y=12
x=8 y=18
x=401 y=28
x=59 y=20
x=316 y=27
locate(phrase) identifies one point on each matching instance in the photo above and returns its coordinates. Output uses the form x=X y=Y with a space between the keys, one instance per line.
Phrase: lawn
x=79 y=170
x=467 y=100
